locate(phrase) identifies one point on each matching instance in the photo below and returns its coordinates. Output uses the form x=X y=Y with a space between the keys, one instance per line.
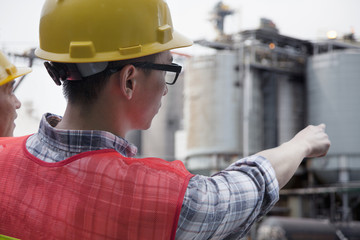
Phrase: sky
x=303 y=19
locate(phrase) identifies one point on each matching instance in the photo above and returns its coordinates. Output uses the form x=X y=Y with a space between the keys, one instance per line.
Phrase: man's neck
x=86 y=118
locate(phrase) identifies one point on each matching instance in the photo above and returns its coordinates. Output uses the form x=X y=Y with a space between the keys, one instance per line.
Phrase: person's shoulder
x=176 y=166
x=4 y=140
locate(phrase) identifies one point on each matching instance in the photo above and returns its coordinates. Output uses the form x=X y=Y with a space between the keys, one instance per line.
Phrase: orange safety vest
x=93 y=195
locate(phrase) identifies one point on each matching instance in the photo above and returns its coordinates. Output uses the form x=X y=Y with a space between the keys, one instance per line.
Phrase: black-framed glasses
x=172 y=70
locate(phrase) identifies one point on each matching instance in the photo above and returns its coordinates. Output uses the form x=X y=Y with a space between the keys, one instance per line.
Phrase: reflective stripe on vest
x=93 y=195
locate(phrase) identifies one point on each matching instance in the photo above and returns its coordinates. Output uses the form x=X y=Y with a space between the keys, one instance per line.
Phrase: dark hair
x=86 y=91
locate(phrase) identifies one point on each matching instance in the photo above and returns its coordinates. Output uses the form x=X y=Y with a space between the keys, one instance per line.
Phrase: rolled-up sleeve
x=225 y=205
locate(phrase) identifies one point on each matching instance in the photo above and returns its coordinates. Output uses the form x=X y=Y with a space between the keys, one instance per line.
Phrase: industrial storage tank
x=290 y=107
x=333 y=84
x=213 y=98
x=285 y=228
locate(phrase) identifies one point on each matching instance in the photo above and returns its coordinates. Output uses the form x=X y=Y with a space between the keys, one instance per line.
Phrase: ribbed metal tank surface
x=333 y=83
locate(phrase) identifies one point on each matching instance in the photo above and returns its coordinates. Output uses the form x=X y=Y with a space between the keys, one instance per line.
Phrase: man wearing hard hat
x=8 y=101
x=76 y=178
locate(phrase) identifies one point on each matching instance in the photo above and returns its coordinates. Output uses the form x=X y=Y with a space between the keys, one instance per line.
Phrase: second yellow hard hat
x=9 y=71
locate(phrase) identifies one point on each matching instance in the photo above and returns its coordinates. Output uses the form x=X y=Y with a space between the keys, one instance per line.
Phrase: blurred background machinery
x=256 y=91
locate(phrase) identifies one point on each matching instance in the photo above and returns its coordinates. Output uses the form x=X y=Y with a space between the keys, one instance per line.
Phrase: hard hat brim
x=178 y=41
x=20 y=71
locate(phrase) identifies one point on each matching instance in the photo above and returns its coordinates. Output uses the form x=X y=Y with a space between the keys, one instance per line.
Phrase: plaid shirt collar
x=77 y=141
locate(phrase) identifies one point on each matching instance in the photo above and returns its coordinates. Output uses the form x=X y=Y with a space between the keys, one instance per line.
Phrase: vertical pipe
x=240 y=58
x=247 y=98
x=246 y=107
x=344 y=177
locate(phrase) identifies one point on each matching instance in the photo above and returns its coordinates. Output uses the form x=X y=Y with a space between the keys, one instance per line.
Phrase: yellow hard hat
x=81 y=31
x=8 y=71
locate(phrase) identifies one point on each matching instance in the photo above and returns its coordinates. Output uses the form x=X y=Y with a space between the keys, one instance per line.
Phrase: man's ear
x=127 y=80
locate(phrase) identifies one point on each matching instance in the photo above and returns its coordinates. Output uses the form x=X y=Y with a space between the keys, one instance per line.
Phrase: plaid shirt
x=223 y=206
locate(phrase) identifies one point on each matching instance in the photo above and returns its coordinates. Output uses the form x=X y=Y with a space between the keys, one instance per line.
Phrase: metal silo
x=333 y=81
x=212 y=111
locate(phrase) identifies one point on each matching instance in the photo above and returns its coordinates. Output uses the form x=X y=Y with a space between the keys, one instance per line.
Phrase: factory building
x=248 y=96
x=257 y=91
